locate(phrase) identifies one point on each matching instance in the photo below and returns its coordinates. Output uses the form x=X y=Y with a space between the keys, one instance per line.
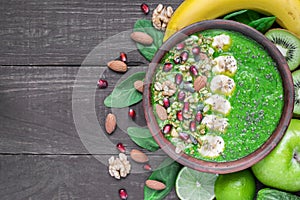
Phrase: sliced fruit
x=212 y=146
x=215 y=123
x=222 y=84
x=296 y=79
x=225 y=65
x=288 y=44
x=235 y=186
x=219 y=104
x=192 y=184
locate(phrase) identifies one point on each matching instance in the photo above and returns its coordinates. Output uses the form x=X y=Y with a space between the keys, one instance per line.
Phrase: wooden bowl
x=260 y=153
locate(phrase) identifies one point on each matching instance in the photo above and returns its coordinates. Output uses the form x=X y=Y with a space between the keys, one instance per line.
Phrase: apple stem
x=297 y=157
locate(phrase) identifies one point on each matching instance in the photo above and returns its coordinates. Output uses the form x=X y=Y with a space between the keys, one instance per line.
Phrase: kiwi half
x=288 y=44
x=296 y=79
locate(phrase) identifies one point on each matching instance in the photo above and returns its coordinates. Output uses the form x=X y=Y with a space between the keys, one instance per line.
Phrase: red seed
x=121 y=147
x=167 y=67
x=145 y=8
x=193 y=126
x=131 y=113
x=123 y=57
x=179 y=115
x=102 y=84
x=184 y=56
x=196 y=50
x=166 y=102
x=167 y=129
x=181 y=95
x=186 y=107
x=123 y=194
x=178 y=78
x=198 y=116
x=147 y=167
x=180 y=46
x=194 y=70
x=183 y=136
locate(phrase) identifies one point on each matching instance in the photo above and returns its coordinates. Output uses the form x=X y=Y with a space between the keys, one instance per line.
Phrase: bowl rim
x=261 y=152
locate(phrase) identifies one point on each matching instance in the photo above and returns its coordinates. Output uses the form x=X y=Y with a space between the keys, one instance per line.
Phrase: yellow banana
x=287 y=12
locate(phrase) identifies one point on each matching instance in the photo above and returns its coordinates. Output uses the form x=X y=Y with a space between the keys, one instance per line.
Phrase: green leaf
x=146 y=26
x=263 y=24
x=124 y=94
x=166 y=173
x=243 y=16
x=143 y=138
x=273 y=194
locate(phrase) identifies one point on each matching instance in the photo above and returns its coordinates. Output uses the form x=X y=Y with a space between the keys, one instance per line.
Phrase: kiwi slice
x=288 y=44
x=296 y=79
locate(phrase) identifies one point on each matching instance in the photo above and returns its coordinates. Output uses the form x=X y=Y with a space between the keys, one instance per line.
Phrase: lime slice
x=195 y=185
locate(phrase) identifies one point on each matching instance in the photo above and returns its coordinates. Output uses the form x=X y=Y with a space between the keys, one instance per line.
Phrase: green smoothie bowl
x=218 y=96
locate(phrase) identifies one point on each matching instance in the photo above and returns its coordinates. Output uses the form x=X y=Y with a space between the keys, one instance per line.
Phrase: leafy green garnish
x=146 y=26
x=166 y=173
x=263 y=24
x=143 y=138
x=124 y=94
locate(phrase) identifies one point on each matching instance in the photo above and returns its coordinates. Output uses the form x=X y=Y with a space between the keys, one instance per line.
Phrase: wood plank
x=54 y=32
x=37 y=116
x=66 y=177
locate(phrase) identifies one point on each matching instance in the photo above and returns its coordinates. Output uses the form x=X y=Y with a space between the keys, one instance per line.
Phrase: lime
x=195 y=185
x=239 y=185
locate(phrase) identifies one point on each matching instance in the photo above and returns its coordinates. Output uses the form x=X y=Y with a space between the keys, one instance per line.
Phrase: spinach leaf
x=124 y=94
x=263 y=24
x=166 y=173
x=143 y=138
x=243 y=16
x=146 y=26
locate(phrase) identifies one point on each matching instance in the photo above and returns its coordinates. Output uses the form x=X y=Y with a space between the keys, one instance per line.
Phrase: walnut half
x=161 y=16
x=119 y=167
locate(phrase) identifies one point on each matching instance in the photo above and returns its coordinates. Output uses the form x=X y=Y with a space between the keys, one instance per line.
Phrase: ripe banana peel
x=287 y=12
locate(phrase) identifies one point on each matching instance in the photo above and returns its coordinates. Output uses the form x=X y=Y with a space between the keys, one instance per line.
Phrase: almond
x=139 y=85
x=138 y=156
x=200 y=82
x=155 y=185
x=117 y=65
x=110 y=123
x=142 y=38
x=161 y=112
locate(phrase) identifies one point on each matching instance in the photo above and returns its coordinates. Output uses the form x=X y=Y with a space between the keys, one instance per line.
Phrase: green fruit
x=272 y=194
x=296 y=80
x=288 y=44
x=235 y=186
x=281 y=168
x=195 y=185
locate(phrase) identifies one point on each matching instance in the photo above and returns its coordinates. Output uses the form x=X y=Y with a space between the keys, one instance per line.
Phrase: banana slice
x=222 y=84
x=219 y=104
x=225 y=65
x=215 y=123
x=212 y=146
x=221 y=41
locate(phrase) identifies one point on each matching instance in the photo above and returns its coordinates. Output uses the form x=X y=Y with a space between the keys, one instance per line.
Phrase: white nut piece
x=119 y=167
x=161 y=16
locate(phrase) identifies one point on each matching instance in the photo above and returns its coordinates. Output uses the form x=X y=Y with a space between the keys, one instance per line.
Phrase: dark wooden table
x=52 y=143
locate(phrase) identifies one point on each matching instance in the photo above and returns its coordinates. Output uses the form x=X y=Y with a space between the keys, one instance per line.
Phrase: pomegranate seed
x=199 y=116
x=193 y=126
x=177 y=60
x=147 y=167
x=180 y=46
x=184 y=56
x=123 y=194
x=194 y=70
x=145 y=8
x=179 y=115
x=193 y=139
x=131 y=113
x=183 y=136
x=178 y=78
x=166 y=102
x=167 y=129
x=123 y=57
x=196 y=50
x=121 y=147
x=181 y=95
x=167 y=67
x=102 y=84
x=186 y=107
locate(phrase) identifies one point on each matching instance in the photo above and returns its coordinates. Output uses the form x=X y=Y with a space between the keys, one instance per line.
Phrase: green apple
x=281 y=168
